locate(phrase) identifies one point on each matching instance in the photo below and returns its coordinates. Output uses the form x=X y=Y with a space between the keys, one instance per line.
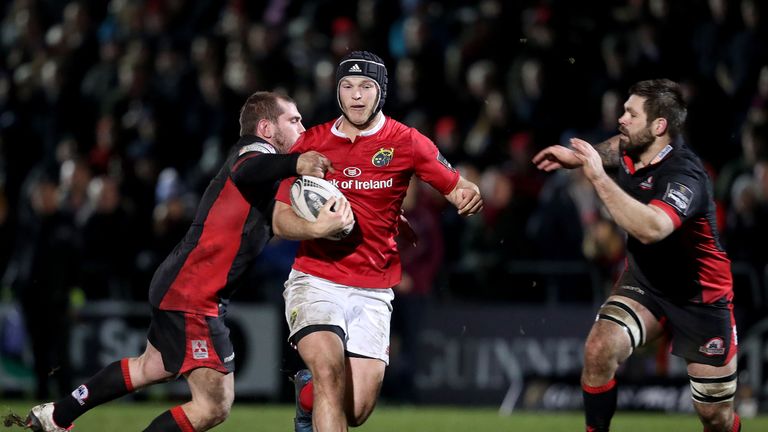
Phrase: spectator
x=41 y=273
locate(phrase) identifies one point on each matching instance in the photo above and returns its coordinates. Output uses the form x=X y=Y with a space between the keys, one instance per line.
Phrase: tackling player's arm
x=288 y=225
x=254 y=169
x=465 y=196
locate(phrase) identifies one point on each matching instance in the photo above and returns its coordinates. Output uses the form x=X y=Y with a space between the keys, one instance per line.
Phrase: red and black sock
x=173 y=420
x=599 y=406
x=108 y=384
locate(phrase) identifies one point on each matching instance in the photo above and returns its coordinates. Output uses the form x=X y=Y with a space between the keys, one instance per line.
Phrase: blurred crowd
x=114 y=115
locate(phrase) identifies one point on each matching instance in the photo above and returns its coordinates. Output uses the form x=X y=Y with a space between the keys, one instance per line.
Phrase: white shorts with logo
x=363 y=314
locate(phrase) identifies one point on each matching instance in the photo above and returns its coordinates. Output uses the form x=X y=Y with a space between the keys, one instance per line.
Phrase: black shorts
x=701 y=332
x=189 y=341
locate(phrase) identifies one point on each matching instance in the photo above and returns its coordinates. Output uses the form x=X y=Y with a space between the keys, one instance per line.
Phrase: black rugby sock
x=599 y=406
x=173 y=420
x=108 y=384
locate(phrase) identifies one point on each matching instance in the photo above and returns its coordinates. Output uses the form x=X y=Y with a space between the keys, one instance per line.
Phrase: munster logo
x=383 y=157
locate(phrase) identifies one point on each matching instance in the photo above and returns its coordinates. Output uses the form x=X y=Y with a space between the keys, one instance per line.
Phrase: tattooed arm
x=609 y=151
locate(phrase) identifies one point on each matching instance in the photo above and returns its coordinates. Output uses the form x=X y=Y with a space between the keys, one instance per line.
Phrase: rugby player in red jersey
x=338 y=295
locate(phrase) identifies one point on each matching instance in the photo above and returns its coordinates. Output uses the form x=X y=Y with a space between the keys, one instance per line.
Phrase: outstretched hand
x=313 y=164
x=556 y=157
x=589 y=157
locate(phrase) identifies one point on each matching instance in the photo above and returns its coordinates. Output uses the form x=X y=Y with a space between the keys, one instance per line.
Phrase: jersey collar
x=253 y=141
x=629 y=165
x=377 y=127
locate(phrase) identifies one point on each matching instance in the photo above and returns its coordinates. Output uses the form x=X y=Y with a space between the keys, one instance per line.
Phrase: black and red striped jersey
x=690 y=264
x=232 y=224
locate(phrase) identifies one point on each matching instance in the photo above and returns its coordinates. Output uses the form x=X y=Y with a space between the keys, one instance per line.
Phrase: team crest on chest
x=383 y=157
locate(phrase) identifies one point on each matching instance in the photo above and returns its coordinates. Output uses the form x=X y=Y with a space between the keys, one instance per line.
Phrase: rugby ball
x=309 y=194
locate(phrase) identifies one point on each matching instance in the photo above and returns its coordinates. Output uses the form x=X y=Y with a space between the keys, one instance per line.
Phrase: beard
x=635 y=144
x=280 y=142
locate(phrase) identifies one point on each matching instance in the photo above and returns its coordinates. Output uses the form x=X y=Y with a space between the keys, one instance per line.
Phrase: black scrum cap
x=364 y=64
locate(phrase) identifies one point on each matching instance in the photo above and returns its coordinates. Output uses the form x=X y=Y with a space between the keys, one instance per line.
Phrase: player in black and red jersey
x=678 y=277
x=190 y=291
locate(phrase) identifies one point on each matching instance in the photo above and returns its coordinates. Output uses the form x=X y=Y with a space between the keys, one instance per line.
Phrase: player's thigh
x=321 y=348
x=364 y=379
x=622 y=325
x=148 y=367
x=211 y=388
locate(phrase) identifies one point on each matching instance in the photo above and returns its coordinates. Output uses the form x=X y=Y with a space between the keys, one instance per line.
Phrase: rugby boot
x=40 y=419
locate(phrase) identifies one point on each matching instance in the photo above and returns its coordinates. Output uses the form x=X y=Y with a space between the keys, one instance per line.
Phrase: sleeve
x=431 y=166
x=681 y=195
x=284 y=191
x=258 y=163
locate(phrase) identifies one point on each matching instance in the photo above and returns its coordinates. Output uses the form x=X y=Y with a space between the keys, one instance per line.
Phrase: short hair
x=258 y=106
x=663 y=99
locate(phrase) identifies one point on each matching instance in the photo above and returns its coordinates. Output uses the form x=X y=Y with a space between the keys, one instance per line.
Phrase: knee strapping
x=713 y=389
x=620 y=313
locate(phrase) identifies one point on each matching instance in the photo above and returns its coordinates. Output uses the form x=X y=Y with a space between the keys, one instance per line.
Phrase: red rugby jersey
x=373 y=172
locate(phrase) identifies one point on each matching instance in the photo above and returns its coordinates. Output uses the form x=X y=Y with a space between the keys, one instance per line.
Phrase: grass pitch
x=132 y=417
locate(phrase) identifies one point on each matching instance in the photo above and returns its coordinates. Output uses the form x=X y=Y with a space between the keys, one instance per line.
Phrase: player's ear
x=661 y=126
x=265 y=129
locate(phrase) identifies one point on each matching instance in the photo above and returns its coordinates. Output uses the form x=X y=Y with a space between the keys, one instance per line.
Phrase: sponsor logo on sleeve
x=444 y=161
x=383 y=157
x=678 y=196
x=257 y=147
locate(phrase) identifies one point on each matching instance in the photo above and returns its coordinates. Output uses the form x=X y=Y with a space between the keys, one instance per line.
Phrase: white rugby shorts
x=363 y=314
